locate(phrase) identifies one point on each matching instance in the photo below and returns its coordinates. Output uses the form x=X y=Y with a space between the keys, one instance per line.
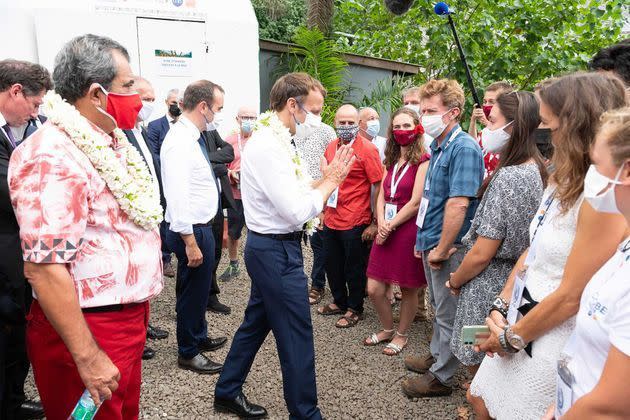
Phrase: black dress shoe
x=200 y=364
x=156 y=333
x=217 y=307
x=31 y=410
x=148 y=353
x=212 y=344
x=241 y=407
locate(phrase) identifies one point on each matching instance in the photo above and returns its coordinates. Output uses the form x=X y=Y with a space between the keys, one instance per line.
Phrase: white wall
x=35 y=30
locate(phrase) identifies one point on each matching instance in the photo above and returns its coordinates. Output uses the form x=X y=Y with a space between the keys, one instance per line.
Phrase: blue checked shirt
x=458 y=173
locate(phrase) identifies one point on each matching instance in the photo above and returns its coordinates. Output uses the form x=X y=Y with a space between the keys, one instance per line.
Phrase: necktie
x=30 y=129
x=7 y=129
x=202 y=144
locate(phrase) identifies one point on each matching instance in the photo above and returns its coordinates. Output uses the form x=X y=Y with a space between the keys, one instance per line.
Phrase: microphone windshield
x=399 y=7
x=441 y=8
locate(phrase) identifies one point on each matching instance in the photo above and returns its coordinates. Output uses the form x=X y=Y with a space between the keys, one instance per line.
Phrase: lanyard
x=427 y=184
x=394 y=185
x=543 y=216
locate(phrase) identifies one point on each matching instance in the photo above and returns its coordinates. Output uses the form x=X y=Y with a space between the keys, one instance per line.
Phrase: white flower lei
x=132 y=186
x=282 y=135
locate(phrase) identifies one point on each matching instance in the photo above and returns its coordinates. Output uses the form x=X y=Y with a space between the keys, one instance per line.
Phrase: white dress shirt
x=189 y=184
x=144 y=149
x=272 y=197
x=380 y=143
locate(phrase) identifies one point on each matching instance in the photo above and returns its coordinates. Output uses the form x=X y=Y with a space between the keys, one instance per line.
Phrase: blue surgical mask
x=373 y=128
x=247 y=126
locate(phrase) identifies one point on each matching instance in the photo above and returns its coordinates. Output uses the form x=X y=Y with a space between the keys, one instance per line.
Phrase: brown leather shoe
x=419 y=364
x=425 y=385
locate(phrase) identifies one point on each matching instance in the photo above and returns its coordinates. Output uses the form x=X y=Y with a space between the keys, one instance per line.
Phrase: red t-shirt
x=353 y=202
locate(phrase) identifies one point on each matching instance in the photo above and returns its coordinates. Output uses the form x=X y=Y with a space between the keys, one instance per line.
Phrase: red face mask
x=406 y=137
x=486 y=110
x=123 y=108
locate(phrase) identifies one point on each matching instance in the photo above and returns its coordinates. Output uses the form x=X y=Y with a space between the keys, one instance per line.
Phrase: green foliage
x=386 y=95
x=521 y=41
x=279 y=19
x=314 y=54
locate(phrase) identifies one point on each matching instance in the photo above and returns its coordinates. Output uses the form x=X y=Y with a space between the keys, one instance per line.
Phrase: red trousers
x=120 y=334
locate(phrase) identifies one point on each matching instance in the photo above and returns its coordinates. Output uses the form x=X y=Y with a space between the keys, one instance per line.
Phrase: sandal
x=329 y=310
x=315 y=296
x=351 y=320
x=398 y=295
x=393 y=349
x=373 y=340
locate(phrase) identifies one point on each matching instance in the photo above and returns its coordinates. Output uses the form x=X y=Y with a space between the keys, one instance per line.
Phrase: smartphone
x=470 y=331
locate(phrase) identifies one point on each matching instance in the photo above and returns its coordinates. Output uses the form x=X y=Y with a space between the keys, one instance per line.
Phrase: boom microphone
x=398 y=7
x=442 y=9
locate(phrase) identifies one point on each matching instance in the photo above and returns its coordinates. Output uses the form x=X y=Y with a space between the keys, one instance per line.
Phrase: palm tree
x=319 y=16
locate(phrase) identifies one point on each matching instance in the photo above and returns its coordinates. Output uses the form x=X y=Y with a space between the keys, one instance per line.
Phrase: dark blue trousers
x=166 y=252
x=193 y=285
x=318 y=273
x=278 y=303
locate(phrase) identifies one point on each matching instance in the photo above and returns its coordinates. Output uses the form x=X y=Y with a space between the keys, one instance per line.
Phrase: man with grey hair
x=157 y=129
x=22 y=86
x=91 y=253
x=192 y=201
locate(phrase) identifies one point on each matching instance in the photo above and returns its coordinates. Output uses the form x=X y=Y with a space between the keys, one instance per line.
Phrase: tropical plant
x=320 y=14
x=312 y=53
x=279 y=19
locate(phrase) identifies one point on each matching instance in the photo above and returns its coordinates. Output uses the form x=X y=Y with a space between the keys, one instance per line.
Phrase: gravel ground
x=353 y=381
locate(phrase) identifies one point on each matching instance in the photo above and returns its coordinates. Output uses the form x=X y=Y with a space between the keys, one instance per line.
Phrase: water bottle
x=85 y=408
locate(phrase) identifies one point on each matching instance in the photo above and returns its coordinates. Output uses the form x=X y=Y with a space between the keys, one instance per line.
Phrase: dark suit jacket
x=221 y=153
x=156 y=131
x=12 y=280
x=156 y=162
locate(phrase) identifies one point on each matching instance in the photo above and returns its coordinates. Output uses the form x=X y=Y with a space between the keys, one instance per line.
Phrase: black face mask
x=543 y=142
x=174 y=110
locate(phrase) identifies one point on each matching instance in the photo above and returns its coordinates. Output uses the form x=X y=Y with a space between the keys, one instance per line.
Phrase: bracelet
x=501 y=311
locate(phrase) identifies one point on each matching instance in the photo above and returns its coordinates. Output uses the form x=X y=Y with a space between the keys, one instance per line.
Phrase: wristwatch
x=505 y=344
x=514 y=340
x=501 y=305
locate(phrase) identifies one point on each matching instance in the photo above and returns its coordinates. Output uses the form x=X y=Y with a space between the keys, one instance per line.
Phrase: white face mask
x=146 y=111
x=594 y=184
x=433 y=124
x=310 y=124
x=495 y=140
x=414 y=107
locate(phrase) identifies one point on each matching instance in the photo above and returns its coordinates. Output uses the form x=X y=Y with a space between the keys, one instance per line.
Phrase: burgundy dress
x=393 y=261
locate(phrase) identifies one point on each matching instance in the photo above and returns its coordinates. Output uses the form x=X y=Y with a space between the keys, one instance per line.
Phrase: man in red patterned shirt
x=90 y=240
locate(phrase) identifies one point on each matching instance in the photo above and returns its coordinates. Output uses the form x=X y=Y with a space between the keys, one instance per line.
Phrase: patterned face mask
x=347 y=133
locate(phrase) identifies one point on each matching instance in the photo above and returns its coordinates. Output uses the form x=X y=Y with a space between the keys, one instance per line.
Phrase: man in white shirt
x=279 y=199
x=369 y=127
x=192 y=201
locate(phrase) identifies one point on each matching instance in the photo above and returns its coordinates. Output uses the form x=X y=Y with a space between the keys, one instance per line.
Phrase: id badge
x=422 y=212
x=517 y=296
x=332 y=200
x=564 y=397
x=391 y=210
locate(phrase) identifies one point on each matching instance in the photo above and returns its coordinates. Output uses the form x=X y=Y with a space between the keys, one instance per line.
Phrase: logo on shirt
x=596 y=309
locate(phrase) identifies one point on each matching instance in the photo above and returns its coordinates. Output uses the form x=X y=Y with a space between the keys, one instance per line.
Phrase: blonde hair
x=450 y=91
x=615 y=128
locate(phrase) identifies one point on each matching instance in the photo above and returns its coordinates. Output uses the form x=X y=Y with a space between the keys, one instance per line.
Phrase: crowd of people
x=516 y=234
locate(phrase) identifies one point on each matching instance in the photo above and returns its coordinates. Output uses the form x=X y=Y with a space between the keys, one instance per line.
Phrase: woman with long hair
x=391 y=259
x=498 y=234
x=532 y=317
